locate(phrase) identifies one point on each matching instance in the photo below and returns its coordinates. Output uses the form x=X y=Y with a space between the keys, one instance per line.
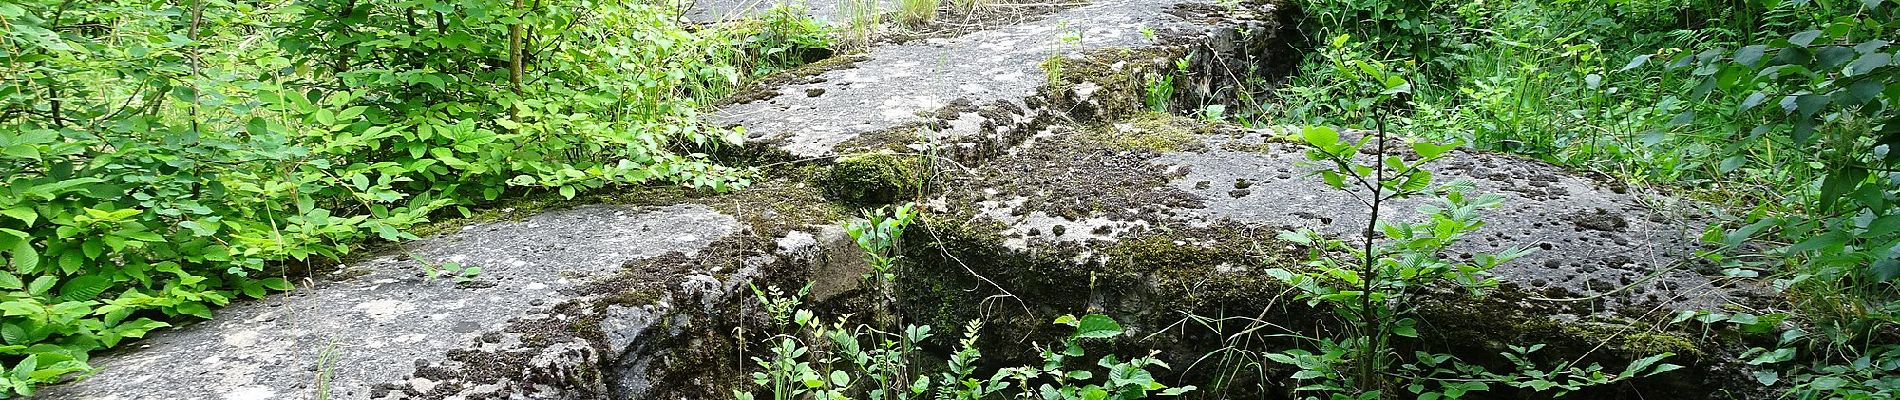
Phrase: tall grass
x=916 y=13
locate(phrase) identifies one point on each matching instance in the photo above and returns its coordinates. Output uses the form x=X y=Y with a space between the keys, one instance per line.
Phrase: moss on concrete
x=1153 y=131
x=874 y=178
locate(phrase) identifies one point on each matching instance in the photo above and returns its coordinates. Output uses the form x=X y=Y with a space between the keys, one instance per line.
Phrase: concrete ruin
x=1046 y=177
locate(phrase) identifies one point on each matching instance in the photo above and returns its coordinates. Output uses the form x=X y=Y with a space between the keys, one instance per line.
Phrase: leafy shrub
x=1780 y=110
x=159 y=160
x=815 y=359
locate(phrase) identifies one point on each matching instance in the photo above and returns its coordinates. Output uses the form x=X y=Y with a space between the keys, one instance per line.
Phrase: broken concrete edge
x=1152 y=275
x=1250 y=39
x=680 y=336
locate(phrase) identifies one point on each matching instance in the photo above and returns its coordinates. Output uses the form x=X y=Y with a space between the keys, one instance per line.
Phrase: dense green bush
x=1780 y=110
x=159 y=159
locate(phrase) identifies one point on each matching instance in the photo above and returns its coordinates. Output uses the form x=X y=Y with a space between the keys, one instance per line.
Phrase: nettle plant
x=1373 y=282
x=815 y=359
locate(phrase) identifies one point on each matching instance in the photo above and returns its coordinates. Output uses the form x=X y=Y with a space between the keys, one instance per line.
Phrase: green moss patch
x=875 y=178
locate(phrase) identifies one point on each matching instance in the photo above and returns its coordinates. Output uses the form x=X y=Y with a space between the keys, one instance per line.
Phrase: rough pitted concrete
x=1080 y=219
x=377 y=329
x=1068 y=192
x=1589 y=237
x=975 y=93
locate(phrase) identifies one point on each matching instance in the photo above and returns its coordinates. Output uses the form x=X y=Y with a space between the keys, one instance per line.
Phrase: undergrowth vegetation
x=1780 y=111
x=159 y=159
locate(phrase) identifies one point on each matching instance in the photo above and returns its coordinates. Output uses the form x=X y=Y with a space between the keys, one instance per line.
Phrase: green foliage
x=916 y=13
x=878 y=235
x=814 y=359
x=159 y=159
x=1779 y=110
x=874 y=178
x=1372 y=284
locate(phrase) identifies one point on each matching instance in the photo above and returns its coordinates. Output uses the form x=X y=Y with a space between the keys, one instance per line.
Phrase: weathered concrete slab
x=976 y=94
x=391 y=333
x=1087 y=190
x=1157 y=218
x=1590 y=237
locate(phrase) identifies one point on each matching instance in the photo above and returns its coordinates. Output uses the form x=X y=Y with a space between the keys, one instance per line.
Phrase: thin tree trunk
x=514 y=53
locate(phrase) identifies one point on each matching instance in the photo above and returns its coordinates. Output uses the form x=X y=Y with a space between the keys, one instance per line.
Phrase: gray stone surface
x=1067 y=191
x=376 y=329
x=985 y=79
x=829 y=11
x=1588 y=237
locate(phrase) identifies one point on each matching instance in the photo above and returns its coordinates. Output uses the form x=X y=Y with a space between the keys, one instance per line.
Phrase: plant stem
x=1368 y=317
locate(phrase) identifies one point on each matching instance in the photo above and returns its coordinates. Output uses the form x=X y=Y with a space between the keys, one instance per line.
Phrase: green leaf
x=1839 y=183
x=1432 y=150
x=1767 y=377
x=23 y=371
x=1640 y=366
x=1753 y=99
x=1732 y=163
x=22 y=213
x=193 y=308
x=25 y=258
x=1750 y=55
x=22 y=307
x=41 y=285
x=83 y=288
x=1868 y=62
x=1808 y=104
x=1805 y=38
x=1319 y=136
x=1860 y=93
x=1406 y=327
x=1833 y=56
x=1097 y=326
x=1419 y=180
x=13 y=334
x=1827 y=240
x=839 y=379
x=1638 y=61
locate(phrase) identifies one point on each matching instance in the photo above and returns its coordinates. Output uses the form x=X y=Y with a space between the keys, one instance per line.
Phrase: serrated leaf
x=13 y=334
x=41 y=285
x=83 y=288
x=1097 y=326
x=26 y=259
x=22 y=213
